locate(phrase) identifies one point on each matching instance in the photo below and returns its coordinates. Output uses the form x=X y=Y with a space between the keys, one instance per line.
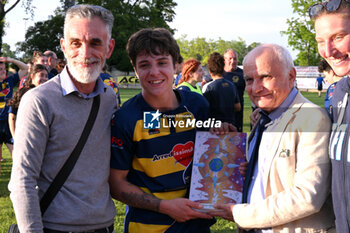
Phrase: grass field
x=7 y=216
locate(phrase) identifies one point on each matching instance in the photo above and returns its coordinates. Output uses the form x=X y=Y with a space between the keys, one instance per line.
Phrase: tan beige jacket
x=298 y=181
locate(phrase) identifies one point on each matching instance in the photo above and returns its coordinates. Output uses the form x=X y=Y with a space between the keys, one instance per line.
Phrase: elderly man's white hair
x=281 y=53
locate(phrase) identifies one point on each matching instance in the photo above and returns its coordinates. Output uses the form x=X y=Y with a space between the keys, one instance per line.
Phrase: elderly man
x=52 y=60
x=287 y=184
x=50 y=121
x=235 y=74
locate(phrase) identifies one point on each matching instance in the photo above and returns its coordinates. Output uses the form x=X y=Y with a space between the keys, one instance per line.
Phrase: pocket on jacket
x=285 y=164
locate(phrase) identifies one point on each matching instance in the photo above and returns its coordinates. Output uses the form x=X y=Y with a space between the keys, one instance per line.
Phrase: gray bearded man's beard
x=85 y=75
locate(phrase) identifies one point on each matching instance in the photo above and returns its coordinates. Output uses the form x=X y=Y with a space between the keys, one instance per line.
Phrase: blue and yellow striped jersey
x=108 y=80
x=158 y=158
x=6 y=92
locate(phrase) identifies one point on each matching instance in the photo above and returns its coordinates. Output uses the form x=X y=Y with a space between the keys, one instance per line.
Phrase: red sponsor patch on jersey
x=5 y=91
x=183 y=153
x=117 y=141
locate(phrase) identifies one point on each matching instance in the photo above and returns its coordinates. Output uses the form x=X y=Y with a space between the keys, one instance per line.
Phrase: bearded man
x=50 y=122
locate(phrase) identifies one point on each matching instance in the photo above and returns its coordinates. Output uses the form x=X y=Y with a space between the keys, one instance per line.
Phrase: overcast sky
x=252 y=20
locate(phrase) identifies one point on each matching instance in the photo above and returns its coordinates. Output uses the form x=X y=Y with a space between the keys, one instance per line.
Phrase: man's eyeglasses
x=330 y=6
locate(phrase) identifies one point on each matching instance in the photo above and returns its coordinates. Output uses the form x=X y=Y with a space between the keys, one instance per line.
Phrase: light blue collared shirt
x=256 y=190
x=68 y=86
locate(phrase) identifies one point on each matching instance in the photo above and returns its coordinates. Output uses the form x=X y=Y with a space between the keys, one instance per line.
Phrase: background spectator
x=109 y=80
x=221 y=94
x=332 y=79
x=52 y=61
x=6 y=91
x=178 y=74
x=319 y=84
x=37 y=75
x=192 y=73
x=235 y=74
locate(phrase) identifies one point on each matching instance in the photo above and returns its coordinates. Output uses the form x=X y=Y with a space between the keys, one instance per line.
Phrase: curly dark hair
x=17 y=96
x=216 y=64
x=34 y=69
x=152 y=40
x=324 y=66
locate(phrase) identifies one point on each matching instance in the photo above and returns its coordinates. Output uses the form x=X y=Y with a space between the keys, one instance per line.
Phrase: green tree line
x=301 y=33
x=201 y=48
x=132 y=15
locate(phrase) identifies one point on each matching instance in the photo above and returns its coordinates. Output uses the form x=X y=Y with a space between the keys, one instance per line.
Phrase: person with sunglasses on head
x=332 y=26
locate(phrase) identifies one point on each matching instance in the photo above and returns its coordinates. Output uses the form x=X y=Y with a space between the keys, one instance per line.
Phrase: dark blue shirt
x=339 y=154
x=320 y=80
x=222 y=96
x=157 y=159
x=328 y=99
x=237 y=78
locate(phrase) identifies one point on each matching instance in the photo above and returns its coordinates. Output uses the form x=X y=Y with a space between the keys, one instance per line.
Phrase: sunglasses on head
x=330 y=6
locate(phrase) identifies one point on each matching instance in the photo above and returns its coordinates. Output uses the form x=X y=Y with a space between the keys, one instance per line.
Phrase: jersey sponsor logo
x=182 y=153
x=153 y=131
x=4 y=92
x=116 y=142
x=151 y=120
x=235 y=79
x=159 y=157
x=225 y=85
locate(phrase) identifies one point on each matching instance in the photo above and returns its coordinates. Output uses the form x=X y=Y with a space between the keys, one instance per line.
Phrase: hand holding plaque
x=215 y=174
